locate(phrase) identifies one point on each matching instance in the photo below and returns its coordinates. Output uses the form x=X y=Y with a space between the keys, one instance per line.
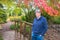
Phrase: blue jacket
x=40 y=26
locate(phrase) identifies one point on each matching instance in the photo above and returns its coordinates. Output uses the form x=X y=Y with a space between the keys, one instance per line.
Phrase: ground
x=8 y=34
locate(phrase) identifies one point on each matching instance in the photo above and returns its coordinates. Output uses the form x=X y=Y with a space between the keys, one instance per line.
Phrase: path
x=10 y=34
x=7 y=33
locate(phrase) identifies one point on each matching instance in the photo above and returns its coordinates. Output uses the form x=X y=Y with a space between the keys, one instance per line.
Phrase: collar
x=39 y=18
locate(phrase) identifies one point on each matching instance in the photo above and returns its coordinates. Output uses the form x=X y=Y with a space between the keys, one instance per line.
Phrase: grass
x=1 y=38
x=27 y=28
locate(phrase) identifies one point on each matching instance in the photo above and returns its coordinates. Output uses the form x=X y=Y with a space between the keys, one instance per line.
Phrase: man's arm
x=45 y=25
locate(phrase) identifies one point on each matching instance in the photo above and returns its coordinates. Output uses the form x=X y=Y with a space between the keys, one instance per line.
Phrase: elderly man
x=39 y=27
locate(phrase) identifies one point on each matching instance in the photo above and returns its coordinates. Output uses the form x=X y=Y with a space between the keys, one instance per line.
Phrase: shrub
x=30 y=16
x=51 y=19
x=56 y=20
x=44 y=13
x=3 y=16
x=13 y=27
x=23 y=18
x=15 y=18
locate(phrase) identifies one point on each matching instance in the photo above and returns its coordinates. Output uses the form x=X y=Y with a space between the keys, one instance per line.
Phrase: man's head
x=37 y=13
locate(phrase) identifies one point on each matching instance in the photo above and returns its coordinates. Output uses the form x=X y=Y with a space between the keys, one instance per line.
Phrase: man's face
x=38 y=14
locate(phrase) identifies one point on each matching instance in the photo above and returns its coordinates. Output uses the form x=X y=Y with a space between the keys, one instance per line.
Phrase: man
x=39 y=27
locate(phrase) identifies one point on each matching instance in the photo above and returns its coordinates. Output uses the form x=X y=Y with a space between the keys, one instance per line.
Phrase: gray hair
x=37 y=10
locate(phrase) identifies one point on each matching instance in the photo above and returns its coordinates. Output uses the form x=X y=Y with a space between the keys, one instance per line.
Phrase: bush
x=18 y=18
x=56 y=20
x=13 y=27
x=27 y=29
x=23 y=18
x=3 y=16
x=51 y=19
x=44 y=13
x=30 y=16
x=15 y=18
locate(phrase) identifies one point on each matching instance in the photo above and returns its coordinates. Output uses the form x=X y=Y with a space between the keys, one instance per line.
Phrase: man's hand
x=40 y=35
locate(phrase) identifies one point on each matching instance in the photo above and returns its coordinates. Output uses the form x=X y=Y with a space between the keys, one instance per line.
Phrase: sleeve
x=45 y=25
x=33 y=24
